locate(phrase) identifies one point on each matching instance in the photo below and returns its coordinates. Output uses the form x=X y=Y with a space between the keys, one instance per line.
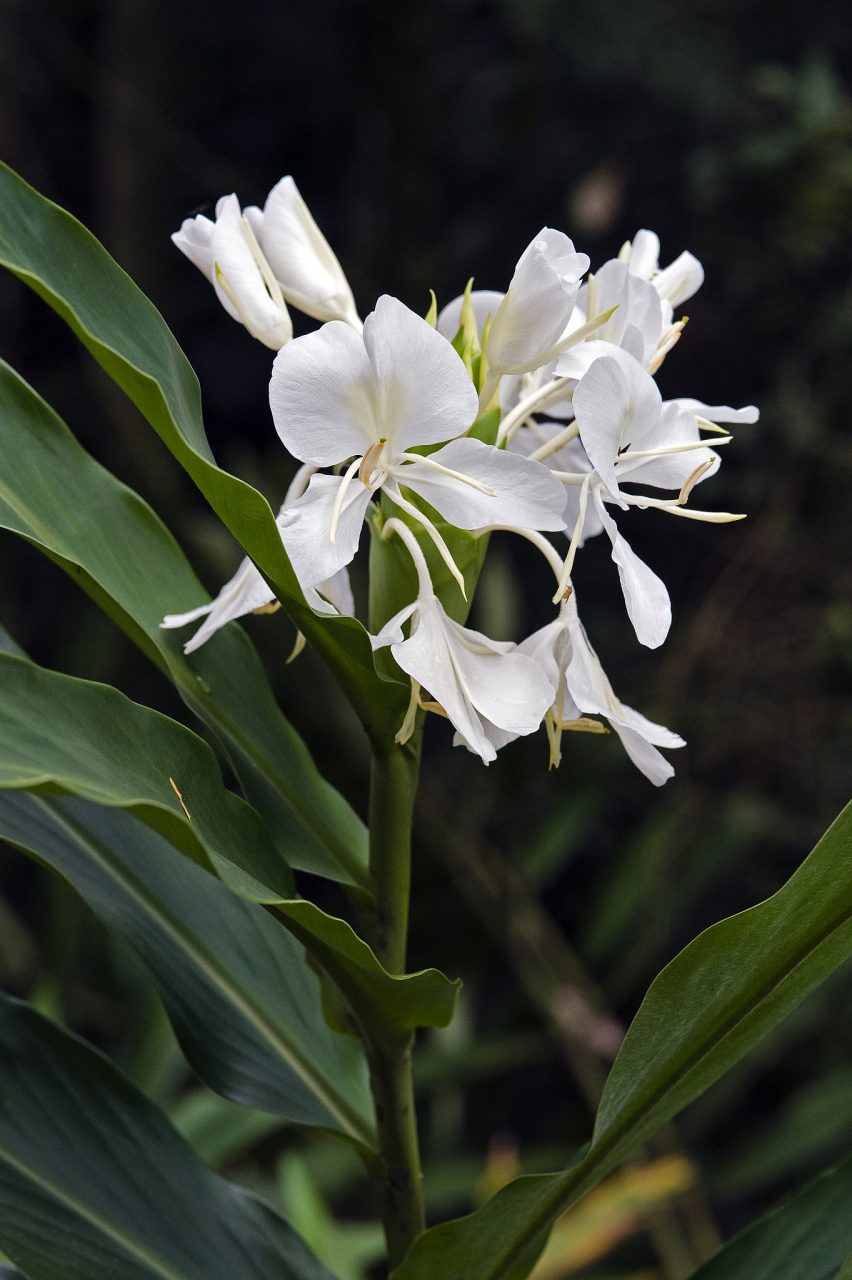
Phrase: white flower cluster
x=387 y=405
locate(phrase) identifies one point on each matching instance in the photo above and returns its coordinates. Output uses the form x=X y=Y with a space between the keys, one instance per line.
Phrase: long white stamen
x=338 y=501
x=706 y=425
x=558 y=442
x=393 y=525
x=565 y=575
x=407 y=727
x=445 y=471
x=546 y=548
x=442 y=548
x=668 y=448
x=535 y=400
x=673 y=508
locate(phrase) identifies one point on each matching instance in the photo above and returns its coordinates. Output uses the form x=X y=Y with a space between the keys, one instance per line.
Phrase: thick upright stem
x=393 y=786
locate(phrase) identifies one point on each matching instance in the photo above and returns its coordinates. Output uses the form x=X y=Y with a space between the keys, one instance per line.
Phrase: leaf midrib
x=216 y=975
x=84 y=1211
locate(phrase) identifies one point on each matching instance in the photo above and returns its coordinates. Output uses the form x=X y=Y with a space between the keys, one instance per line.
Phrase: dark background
x=431 y=140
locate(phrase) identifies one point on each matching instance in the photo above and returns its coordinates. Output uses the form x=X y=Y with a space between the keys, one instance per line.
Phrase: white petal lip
x=538 y=304
x=680 y=280
x=644 y=254
x=333 y=394
x=304 y=529
x=638 y=321
x=509 y=689
x=719 y=412
x=195 y=239
x=616 y=402
x=527 y=493
x=305 y=266
x=645 y=595
x=484 y=302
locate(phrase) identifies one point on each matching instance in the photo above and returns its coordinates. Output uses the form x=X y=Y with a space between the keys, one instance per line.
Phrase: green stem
x=393 y=787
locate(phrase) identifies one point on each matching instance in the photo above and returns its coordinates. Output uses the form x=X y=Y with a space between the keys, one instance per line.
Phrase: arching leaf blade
x=244 y=1003
x=95 y=1182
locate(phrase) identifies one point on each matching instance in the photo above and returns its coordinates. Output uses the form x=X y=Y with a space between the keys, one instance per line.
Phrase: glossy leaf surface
x=57 y=497
x=76 y=737
x=703 y=1013
x=95 y=1183
x=63 y=262
x=244 y=1003
x=806 y=1238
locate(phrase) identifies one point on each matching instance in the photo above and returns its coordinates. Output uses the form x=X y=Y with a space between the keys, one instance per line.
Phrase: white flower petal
x=644 y=254
x=526 y=493
x=538 y=304
x=195 y=239
x=637 y=324
x=645 y=595
x=310 y=276
x=254 y=307
x=304 y=529
x=646 y=758
x=425 y=393
x=616 y=403
x=391 y=632
x=323 y=396
x=719 y=412
x=484 y=302
x=680 y=280
x=247 y=590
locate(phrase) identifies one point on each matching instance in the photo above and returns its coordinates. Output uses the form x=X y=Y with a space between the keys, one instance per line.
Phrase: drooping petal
x=424 y=392
x=323 y=396
x=305 y=525
x=484 y=302
x=645 y=595
x=391 y=632
x=615 y=402
x=538 y=304
x=243 y=292
x=680 y=280
x=526 y=493
x=247 y=590
x=310 y=276
x=719 y=412
x=647 y=758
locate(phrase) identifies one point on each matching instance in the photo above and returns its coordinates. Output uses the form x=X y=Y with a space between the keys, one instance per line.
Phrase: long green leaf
x=704 y=1012
x=95 y=1183
x=57 y=497
x=244 y=1003
x=63 y=262
x=75 y=737
x=807 y=1238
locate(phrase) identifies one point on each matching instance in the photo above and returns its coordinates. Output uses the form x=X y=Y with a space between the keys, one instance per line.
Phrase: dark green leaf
x=807 y=1238
x=704 y=1012
x=121 y=553
x=95 y=1183
x=75 y=737
x=53 y=253
x=386 y=1004
x=243 y=1001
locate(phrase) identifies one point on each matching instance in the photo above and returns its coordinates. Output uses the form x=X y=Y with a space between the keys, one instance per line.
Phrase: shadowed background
x=431 y=140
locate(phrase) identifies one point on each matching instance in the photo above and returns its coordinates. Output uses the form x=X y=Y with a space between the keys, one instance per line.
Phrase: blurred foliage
x=431 y=140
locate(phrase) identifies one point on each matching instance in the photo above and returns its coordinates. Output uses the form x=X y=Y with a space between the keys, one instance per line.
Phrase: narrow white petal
x=247 y=590
x=526 y=493
x=538 y=304
x=644 y=254
x=645 y=595
x=425 y=393
x=232 y=256
x=391 y=632
x=646 y=758
x=304 y=529
x=681 y=280
x=720 y=412
x=323 y=396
